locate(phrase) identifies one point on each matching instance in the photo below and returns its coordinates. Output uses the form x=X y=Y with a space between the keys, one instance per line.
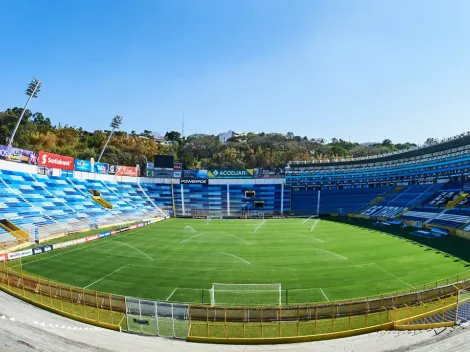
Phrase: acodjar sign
x=230 y=173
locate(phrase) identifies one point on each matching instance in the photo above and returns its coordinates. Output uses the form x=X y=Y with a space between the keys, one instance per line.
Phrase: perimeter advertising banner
x=163 y=173
x=230 y=173
x=194 y=181
x=126 y=171
x=101 y=168
x=18 y=155
x=56 y=161
x=195 y=174
x=269 y=173
x=112 y=169
x=82 y=165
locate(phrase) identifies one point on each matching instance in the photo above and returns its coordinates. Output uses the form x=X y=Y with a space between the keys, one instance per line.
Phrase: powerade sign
x=82 y=165
x=230 y=173
x=194 y=181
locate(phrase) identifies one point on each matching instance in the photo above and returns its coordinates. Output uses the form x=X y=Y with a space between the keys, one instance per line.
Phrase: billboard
x=82 y=165
x=163 y=173
x=56 y=161
x=177 y=166
x=126 y=171
x=230 y=173
x=112 y=169
x=194 y=173
x=18 y=155
x=101 y=168
x=194 y=181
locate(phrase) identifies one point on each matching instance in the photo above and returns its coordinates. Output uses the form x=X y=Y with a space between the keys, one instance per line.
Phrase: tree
x=173 y=136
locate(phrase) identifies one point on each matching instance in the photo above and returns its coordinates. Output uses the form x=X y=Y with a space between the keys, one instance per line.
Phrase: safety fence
x=436 y=305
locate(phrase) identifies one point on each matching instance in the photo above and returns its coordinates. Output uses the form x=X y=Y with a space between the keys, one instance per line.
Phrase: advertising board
x=126 y=171
x=101 y=168
x=163 y=173
x=68 y=243
x=56 y=161
x=18 y=155
x=177 y=166
x=112 y=169
x=177 y=174
x=20 y=254
x=42 y=170
x=82 y=165
x=92 y=238
x=149 y=166
x=3 y=257
x=269 y=173
x=230 y=173
x=194 y=173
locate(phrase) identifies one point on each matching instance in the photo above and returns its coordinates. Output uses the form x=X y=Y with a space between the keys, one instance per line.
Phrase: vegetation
x=252 y=150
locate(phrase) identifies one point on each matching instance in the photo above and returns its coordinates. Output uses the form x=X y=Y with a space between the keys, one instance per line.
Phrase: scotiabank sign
x=56 y=161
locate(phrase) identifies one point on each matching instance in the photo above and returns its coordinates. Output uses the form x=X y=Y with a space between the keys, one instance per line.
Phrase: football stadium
x=316 y=250
x=243 y=176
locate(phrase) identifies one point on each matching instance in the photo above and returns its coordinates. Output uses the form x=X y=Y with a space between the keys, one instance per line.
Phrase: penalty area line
x=104 y=277
x=315 y=224
x=323 y=293
x=396 y=277
x=303 y=222
x=257 y=227
x=171 y=294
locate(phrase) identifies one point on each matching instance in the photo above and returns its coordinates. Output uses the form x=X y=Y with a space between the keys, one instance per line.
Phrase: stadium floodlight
x=32 y=92
x=115 y=123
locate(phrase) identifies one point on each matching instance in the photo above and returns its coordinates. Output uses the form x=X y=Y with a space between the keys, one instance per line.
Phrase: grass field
x=316 y=260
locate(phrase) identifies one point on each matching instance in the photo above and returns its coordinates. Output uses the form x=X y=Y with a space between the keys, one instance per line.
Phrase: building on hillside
x=225 y=136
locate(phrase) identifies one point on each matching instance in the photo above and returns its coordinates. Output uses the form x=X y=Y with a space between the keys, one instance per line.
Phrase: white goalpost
x=246 y=294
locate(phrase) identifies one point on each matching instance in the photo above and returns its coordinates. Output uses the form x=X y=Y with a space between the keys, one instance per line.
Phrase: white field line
x=233 y=255
x=80 y=247
x=303 y=222
x=199 y=234
x=171 y=294
x=396 y=277
x=137 y=249
x=324 y=294
x=312 y=238
x=242 y=239
x=257 y=227
x=315 y=224
x=104 y=277
x=328 y=252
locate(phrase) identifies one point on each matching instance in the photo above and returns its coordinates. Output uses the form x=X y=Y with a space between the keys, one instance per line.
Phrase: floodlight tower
x=32 y=92
x=115 y=123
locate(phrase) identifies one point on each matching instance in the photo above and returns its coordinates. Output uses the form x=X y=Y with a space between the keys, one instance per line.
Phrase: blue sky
x=365 y=70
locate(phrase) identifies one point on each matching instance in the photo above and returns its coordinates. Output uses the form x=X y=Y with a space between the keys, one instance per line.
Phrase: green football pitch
x=178 y=260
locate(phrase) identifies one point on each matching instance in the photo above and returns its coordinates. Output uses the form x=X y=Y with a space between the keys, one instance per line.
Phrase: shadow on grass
x=452 y=245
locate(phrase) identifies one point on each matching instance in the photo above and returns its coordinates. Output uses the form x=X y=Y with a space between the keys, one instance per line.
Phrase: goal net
x=246 y=294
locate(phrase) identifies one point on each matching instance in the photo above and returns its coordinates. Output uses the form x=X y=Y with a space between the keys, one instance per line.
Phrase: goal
x=245 y=294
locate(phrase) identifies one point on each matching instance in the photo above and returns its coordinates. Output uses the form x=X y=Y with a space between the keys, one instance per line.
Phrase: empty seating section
x=421 y=214
x=56 y=204
x=384 y=211
x=304 y=202
x=452 y=218
x=411 y=195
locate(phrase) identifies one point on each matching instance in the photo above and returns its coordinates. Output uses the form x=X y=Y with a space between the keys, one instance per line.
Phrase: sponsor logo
x=177 y=174
x=126 y=171
x=104 y=234
x=132 y=227
x=57 y=161
x=177 y=166
x=113 y=232
x=194 y=181
x=150 y=166
x=230 y=173
x=83 y=165
x=92 y=238
x=47 y=248
x=101 y=168
x=37 y=251
x=69 y=243
x=3 y=257
x=20 y=254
